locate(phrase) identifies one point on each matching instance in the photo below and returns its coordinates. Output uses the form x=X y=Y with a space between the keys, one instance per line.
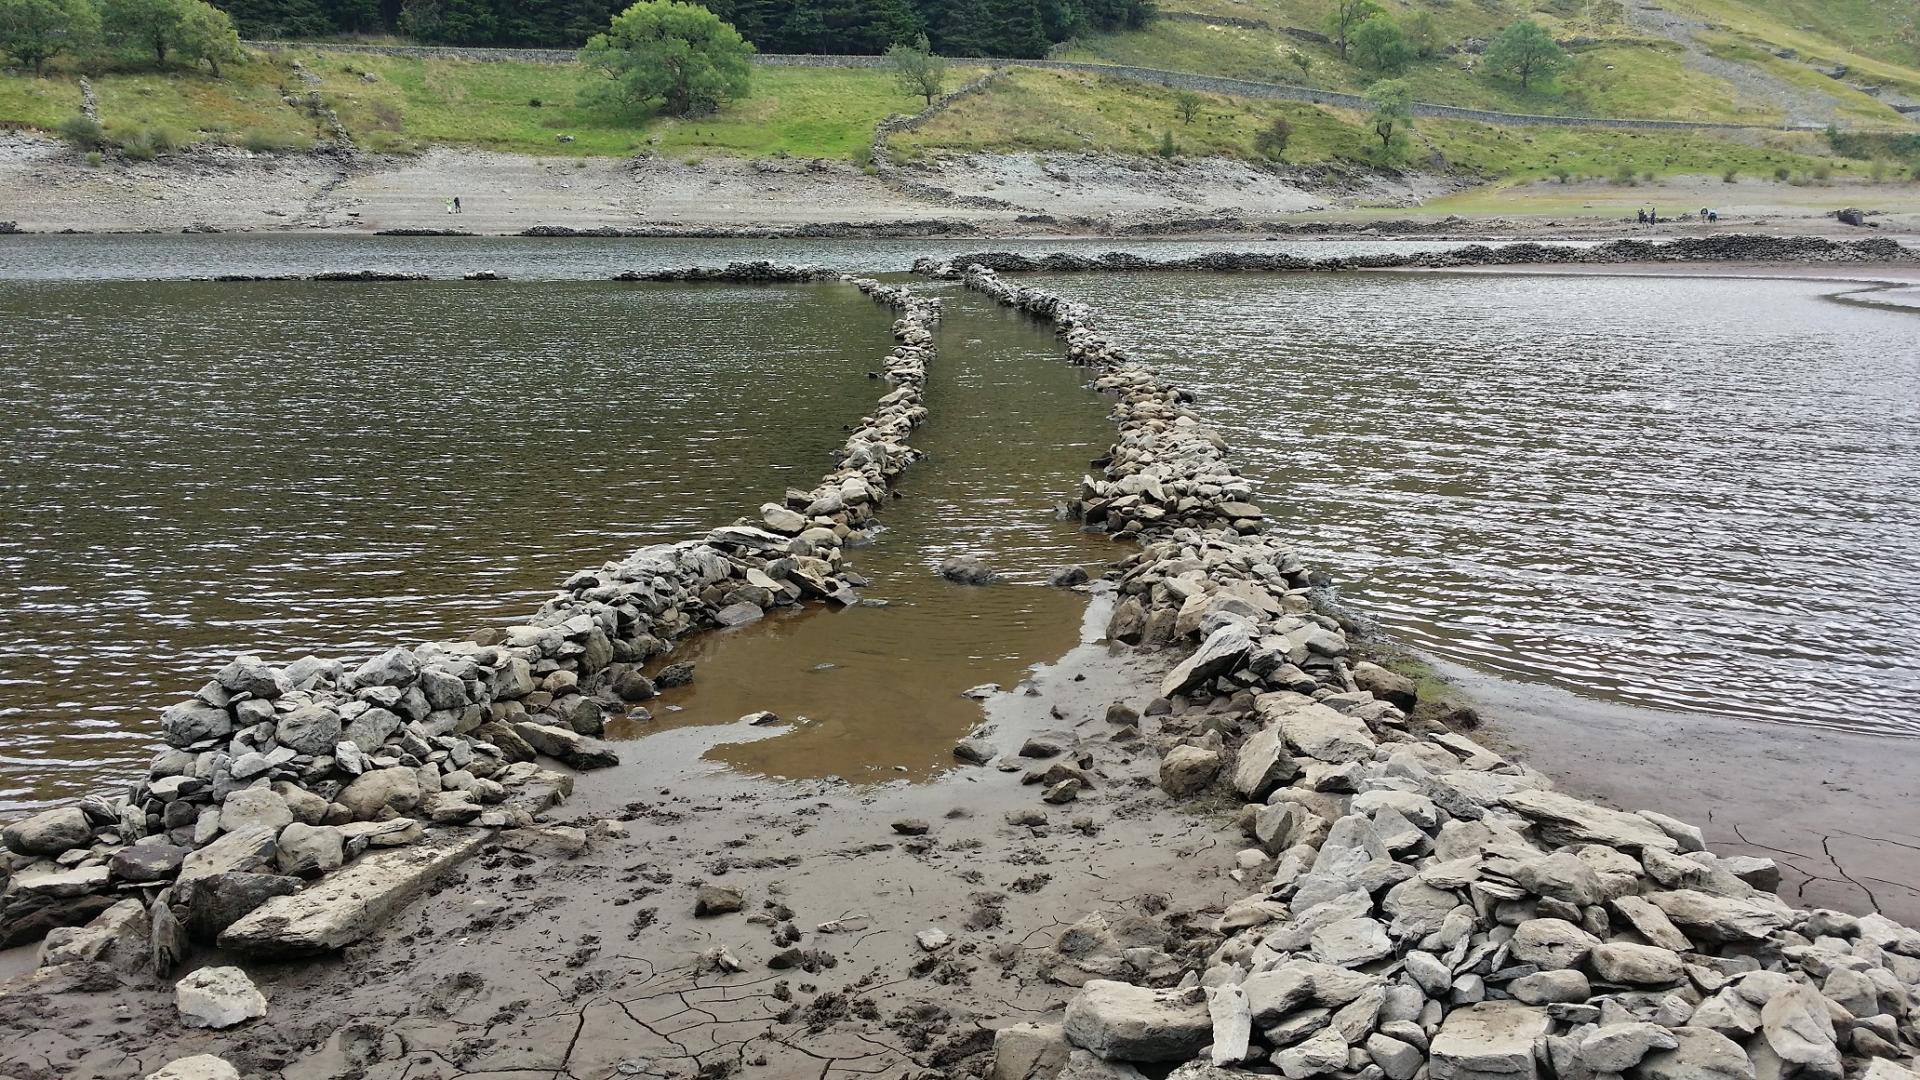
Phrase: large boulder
x=254 y=808
x=1187 y=770
x=1223 y=651
x=382 y=793
x=218 y=997
x=192 y=721
x=310 y=729
x=117 y=937
x=1492 y=1040
x=1122 y=1022
x=209 y=904
x=49 y=832
x=1700 y=1055
x=197 y=1067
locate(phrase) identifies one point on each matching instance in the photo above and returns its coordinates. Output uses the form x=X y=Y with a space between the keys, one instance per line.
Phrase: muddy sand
x=547 y=965
x=45 y=186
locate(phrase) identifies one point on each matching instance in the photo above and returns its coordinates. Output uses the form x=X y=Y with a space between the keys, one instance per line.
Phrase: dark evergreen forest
x=955 y=27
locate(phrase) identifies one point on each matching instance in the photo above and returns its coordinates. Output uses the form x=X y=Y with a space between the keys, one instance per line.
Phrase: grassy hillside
x=1624 y=66
x=1059 y=111
x=1734 y=60
x=399 y=105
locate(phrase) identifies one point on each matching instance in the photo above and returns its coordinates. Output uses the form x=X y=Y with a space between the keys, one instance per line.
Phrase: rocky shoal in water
x=1731 y=248
x=293 y=806
x=1419 y=907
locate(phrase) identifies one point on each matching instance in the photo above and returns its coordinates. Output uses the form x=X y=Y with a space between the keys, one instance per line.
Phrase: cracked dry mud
x=525 y=965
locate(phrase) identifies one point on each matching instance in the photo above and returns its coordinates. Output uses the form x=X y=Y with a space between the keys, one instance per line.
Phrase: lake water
x=1685 y=493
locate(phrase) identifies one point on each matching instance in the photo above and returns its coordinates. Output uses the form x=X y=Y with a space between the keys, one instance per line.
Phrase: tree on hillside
x=1347 y=17
x=1381 y=45
x=1271 y=141
x=187 y=28
x=35 y=31
x=206 y=34
x=1423 y=33
x=1390 y=115
x=1525 y=51
x=1187 y=104
x=918 y=70
x=678 y=54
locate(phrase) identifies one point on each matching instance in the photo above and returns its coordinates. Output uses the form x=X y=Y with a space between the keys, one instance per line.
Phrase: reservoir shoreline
x=1145 y=766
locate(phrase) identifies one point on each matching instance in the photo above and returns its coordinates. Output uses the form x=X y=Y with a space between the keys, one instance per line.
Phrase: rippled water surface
x=1682 y=493
x=190 y=470
x=55 y=257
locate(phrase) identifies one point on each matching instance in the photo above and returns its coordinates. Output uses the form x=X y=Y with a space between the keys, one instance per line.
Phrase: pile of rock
x=276 y=775
x=1421 y=907
x=1737 y=247
x=1168 y=468
x=760 y=272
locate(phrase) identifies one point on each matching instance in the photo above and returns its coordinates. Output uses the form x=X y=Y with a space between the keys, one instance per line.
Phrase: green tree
x=1423 y=32
x=1380 y=44
x=35 y=31
x=208 y=35
x=1390 y=117
x=1525 y=51
x=679 y=54
x=190 y=29
x=1187 y=104
x=917 y=69
x=1346 y=18
x=1303 y=61
x=1271 y=141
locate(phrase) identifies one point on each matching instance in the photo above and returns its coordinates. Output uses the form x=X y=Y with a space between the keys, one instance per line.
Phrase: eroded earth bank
x=1209 y=841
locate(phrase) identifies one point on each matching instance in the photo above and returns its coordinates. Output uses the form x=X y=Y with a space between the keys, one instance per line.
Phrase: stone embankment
x=294 y=806
x=1730 y=248
x=1419 y=907
x=760 y=272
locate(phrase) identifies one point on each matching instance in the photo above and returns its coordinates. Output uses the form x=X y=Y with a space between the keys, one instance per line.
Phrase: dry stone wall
x=276 y=775
x=1418 y=907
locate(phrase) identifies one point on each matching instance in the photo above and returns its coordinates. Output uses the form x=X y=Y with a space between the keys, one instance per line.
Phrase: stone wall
x=1417 y=907
x=1733 y=247
x=276 y=774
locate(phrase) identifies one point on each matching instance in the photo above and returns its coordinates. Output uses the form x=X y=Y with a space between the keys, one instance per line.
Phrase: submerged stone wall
x=1418 y=907
x=1735 y=247
x=275 y=775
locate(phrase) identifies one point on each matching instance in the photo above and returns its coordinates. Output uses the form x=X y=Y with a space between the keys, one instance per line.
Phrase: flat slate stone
x=347 y=905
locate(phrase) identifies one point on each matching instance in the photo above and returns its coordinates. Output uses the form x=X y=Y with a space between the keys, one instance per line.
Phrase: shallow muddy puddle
x=874 y=693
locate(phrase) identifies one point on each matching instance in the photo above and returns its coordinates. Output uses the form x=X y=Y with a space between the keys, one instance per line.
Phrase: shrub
x=1782 y=172
x=1563 y=174
x=262 y=141
x=139 y=146
x=1731 y=176
x=94 y=158
x=1168 y=148
x=1624 y=176
x=1823 y=172
x=83 y=131
x=1647 y=177
x=534 y=103
x=1271 y=141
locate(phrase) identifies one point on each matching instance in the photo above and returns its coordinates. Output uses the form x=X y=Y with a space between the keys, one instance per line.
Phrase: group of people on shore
x=1651 y=216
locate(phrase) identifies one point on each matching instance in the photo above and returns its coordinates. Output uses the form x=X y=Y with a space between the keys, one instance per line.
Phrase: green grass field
x=400 y=105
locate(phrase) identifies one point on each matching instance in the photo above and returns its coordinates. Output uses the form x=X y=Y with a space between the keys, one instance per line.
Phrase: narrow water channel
x=874 y=693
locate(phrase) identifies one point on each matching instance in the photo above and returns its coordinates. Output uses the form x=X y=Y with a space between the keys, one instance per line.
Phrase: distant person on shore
x=1642 y=215
x=456 y=204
